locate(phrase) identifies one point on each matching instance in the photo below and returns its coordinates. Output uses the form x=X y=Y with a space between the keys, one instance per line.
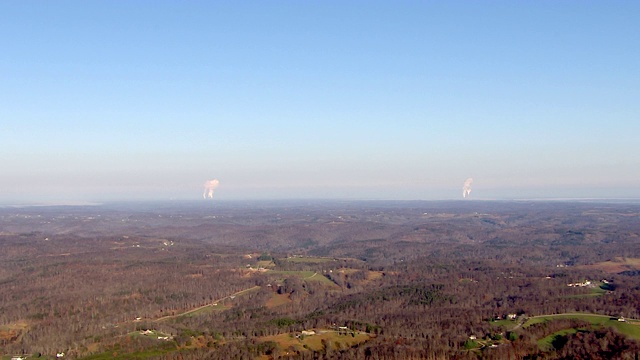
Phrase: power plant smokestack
x=466 y=188
x=209 y=188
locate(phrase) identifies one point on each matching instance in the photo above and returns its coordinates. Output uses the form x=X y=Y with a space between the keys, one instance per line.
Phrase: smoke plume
x=466 y=188
x=209 y=188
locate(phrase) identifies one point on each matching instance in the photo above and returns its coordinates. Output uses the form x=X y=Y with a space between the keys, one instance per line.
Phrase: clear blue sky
x=104 y=100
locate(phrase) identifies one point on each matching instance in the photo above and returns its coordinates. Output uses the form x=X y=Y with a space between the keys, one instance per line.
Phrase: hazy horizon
x=112 y=101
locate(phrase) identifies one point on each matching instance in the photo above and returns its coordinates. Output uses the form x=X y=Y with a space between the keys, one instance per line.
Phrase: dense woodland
x=321 y=280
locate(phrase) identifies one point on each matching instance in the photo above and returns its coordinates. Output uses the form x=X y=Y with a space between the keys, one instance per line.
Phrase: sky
x=148 y=100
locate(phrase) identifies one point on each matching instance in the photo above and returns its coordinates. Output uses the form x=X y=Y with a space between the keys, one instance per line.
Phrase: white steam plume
x=209 y=188
x=466 y=188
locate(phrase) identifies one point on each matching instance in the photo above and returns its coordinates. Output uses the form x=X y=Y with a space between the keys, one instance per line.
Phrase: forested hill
x=330 y=280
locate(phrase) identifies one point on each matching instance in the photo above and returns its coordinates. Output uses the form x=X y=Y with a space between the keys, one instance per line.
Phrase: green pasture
x=144 y=354
x=595 y=291
x=506 y=323
x=546 y=343
x=629 y=328
x=309 y=260
x=304 y=275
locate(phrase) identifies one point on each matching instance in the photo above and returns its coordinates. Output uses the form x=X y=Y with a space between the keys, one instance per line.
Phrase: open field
x=594 y=291
x=617 y=265
x=546 y=343
x=277 y=300
x=504 y=323
x=164 y=349
x=322 y=279
x=630 y=328
x=594 y=319
x=317 y=342
x=374 y=275
x=265 y=264
x=305 y=275
x=301 y=274
x=309 y=260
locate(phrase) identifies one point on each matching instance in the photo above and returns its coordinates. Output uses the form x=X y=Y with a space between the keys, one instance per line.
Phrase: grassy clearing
x=265 y=263
x=277 y=300
x=594 y=319
x=631 y=328
x=616 y=265
x=309 y=260
x=322 y=279
x=305 y=275
x=374 y=275
x=503 y=323
x=597 y=291
x=546 y=343
x=315 y=342
x=347 y=271
x=145 y=354
x=301 y=274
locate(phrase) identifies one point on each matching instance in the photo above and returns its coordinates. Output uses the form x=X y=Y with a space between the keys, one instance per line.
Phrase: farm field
x=546 y=343
x=308 y=260
x=304 y=275
x=317 y=342
x=503 y=323
x=630 y=328
x=617 y=265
